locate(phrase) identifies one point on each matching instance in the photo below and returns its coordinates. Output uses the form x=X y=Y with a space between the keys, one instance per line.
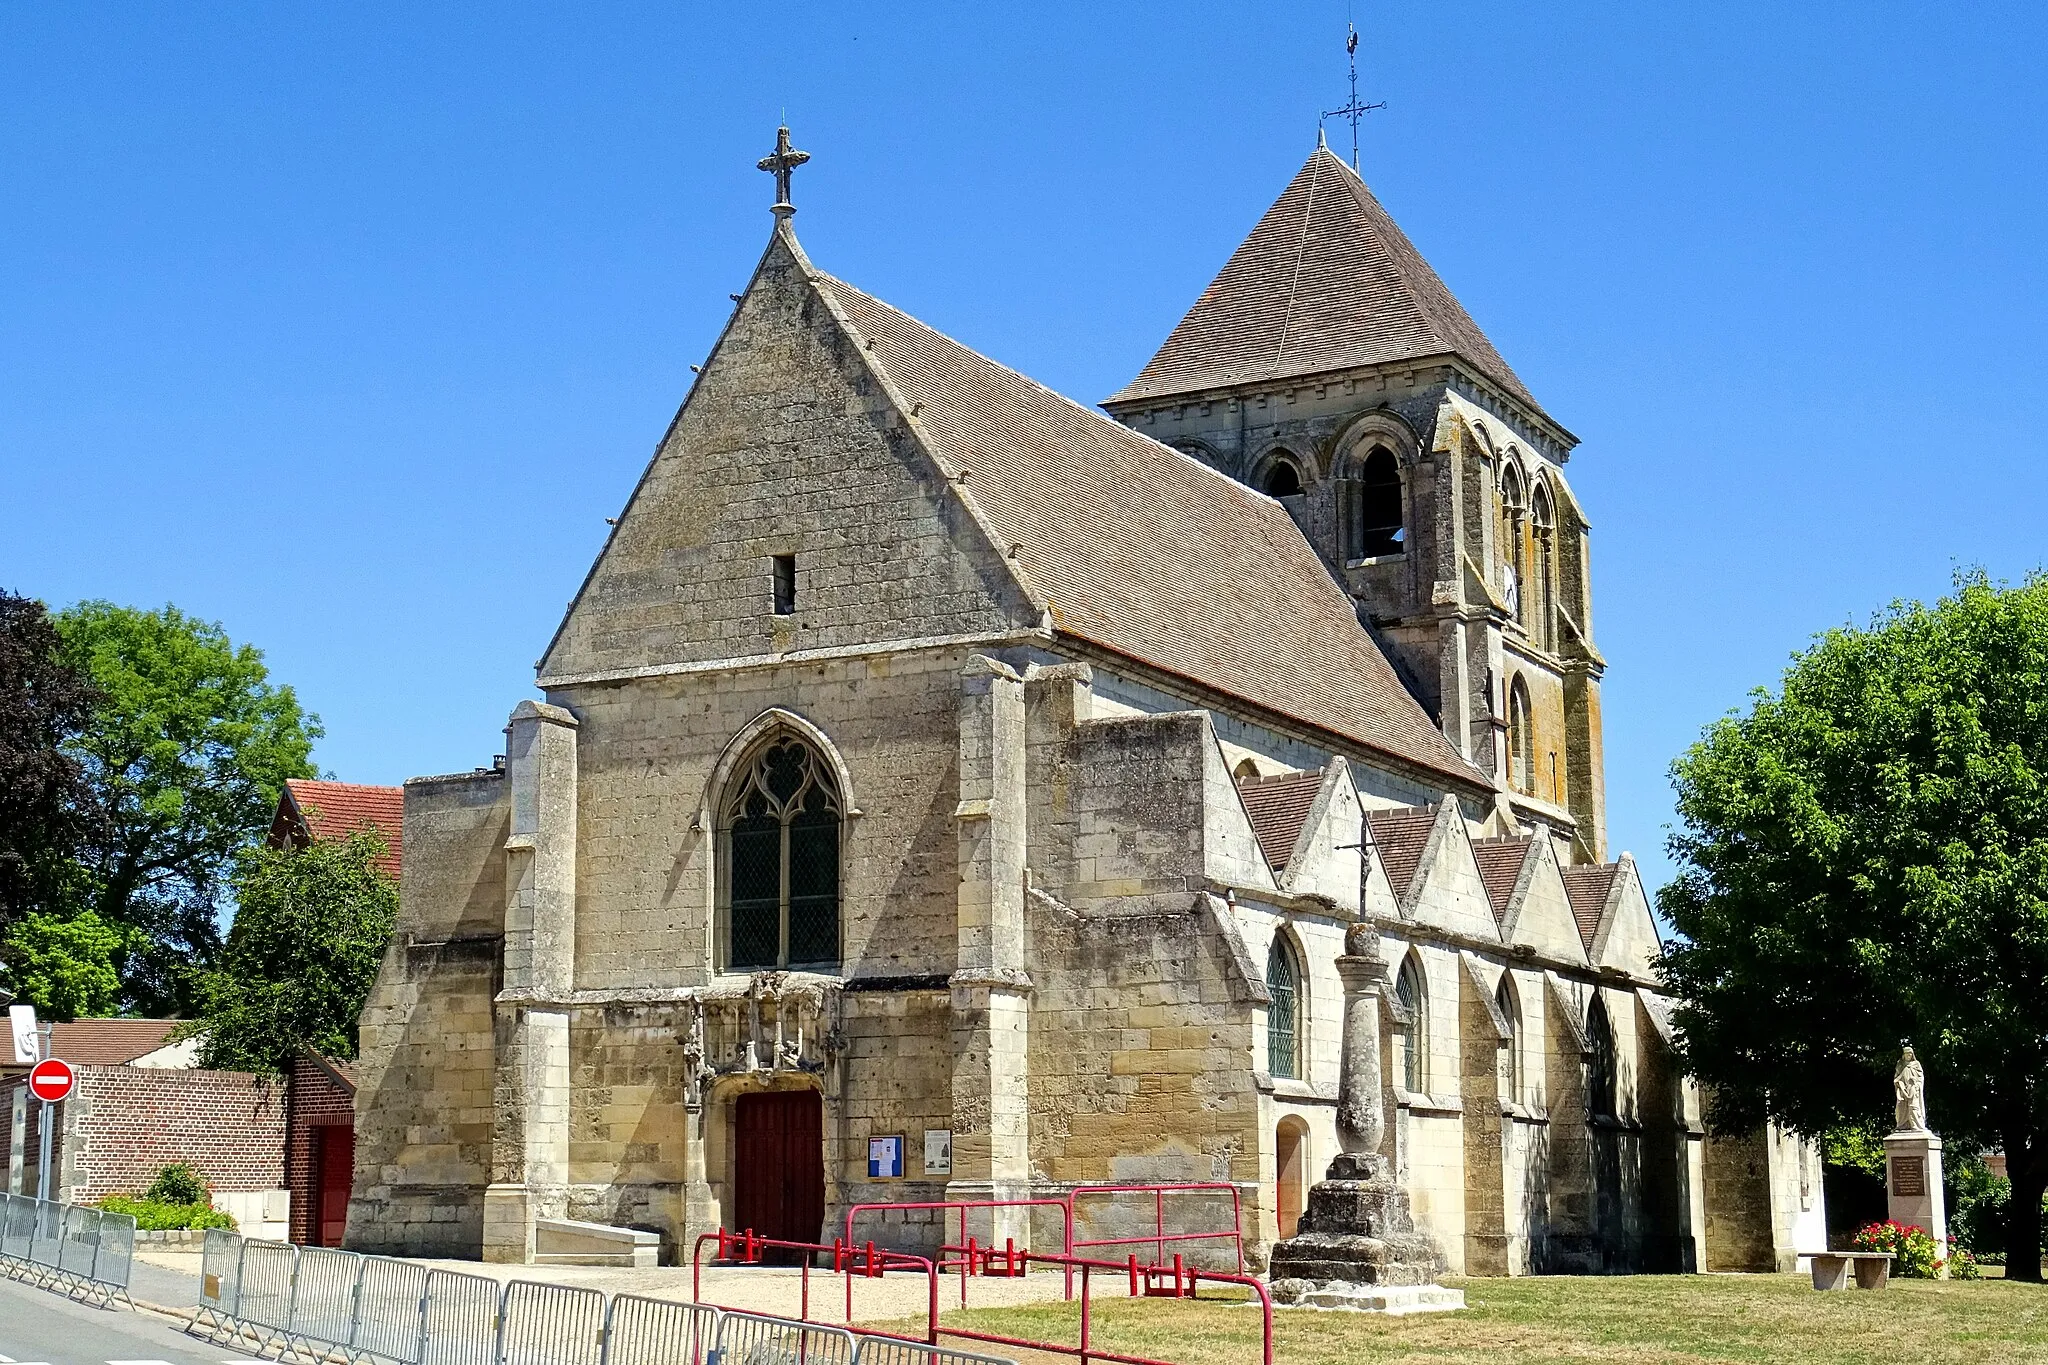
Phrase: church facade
x=943 y=790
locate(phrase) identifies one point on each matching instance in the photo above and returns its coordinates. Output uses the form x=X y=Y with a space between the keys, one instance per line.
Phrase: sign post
x=50 y=1081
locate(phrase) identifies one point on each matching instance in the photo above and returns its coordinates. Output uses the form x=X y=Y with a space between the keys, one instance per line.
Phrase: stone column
x=990 y=987
x=530 y=1138
x=17 y=1142
x=1361 y=1119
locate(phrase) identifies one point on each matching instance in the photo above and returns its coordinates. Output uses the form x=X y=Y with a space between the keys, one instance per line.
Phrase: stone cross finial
x=781 y=162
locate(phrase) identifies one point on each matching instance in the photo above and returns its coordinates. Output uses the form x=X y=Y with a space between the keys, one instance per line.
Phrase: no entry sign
x=51 y=1080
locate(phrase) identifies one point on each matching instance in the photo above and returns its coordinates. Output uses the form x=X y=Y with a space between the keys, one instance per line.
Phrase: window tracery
x=1283 y=1015
x=1414 y=1032
x=780 y=827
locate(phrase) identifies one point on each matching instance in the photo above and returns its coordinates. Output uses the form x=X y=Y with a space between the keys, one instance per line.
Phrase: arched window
x=1381 y=518
x=1246 y=770
x=1415 y=1032
x=1542 y=589
x=1511 y=1048
x=781 y=841
x=1282 y=478
x=1600 y=1062
x=1514 y=571
x=1283 y=1016
x=1521 y=739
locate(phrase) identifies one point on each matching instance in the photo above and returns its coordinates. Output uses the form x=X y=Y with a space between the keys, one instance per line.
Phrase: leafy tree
x=64 y=965
x=44 y=705
x=184 y=761
x=302 y=955
x=1864 y=860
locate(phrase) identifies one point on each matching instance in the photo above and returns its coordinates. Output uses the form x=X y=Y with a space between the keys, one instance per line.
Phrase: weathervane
x=783 y=160
x=1354 y=110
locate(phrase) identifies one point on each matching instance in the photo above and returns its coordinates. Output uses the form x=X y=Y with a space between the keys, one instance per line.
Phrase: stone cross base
x=1357 y=1247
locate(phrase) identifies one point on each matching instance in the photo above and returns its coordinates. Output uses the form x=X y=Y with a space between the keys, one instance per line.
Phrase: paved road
x=38 y=1327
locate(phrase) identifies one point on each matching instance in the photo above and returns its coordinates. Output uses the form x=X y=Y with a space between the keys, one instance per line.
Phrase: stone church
x=944 y=790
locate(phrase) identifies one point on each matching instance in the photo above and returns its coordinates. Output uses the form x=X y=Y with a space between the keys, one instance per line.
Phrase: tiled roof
x=108 y=1042
x=1587 y=886
x=1325 y=282
x=1401 y=835
x=1500 y=866
x=1145 y=552
x=1279 y=807
x=334 y=810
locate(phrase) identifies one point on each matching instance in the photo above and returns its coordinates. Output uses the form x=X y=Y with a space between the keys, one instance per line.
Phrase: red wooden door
x=337 y=1167
x=779 y=1165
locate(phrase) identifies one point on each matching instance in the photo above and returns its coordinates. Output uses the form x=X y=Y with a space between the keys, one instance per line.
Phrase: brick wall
x=313 y=1099
x=124 y=1123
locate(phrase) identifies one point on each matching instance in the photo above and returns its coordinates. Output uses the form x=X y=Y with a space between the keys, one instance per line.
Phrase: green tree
x=64 y=964
x=1863 y=860
x=45 y=704
x=184 y=760
x=309 y=930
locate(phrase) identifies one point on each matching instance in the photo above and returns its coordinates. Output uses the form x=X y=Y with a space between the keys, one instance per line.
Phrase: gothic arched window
x=1280 y=476
x=1283 y=1016
x=1381 y=518
x=1600 y=1061
x=780 y=828
x=1514 y=570
x=1521 y=739
x=1511 y=1049
x=1408 y=991
x=1542 y=588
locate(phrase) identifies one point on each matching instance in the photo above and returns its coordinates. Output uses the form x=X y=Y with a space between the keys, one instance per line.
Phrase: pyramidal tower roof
x=1325 y=282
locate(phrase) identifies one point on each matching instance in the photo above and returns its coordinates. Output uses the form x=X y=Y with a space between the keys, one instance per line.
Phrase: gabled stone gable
x=1627 y=937
x=1538 y=915
x=1450 y=893
x=1325 y=861
x=786 y=445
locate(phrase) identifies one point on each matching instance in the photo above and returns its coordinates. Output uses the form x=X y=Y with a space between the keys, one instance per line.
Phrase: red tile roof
x=1279 y=807
x=1500 y=867
x=312 y=810
x=1326 y=281
x=108 y=1042
x=1400 y=835
x=1587 y=887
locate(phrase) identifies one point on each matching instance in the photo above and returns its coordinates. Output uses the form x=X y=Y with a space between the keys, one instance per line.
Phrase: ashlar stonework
x=929 y=756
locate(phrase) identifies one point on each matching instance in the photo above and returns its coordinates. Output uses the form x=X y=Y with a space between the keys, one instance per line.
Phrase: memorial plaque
x=1909 y=1175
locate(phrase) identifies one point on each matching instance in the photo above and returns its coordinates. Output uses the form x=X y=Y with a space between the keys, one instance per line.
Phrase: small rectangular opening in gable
x=785 y=584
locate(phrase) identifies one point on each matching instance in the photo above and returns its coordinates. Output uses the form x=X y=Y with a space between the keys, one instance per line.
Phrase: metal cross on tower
x=1354 y=110
x=783 y=160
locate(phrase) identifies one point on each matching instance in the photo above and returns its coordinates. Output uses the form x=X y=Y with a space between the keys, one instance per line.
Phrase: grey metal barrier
x=551 y=1324
x=324 y=1290
x=644 y=1331
x=220 y=1277
x=84 y=1252
x=268 y=1273
x=459 y=1324
x=389 y=1308
x=890 y=1351
x=756 y=1339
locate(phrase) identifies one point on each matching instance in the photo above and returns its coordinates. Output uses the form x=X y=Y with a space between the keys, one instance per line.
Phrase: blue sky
x=348 y=325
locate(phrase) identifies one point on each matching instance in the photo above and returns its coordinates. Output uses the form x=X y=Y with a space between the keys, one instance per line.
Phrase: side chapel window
x=781 y=827
x=1414 y=1034
x=1600 y=1066
x=1283 y=1027
x=1511 y=1050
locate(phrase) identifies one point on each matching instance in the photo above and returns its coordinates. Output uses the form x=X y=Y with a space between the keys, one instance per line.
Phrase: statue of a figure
x=1909 y=1083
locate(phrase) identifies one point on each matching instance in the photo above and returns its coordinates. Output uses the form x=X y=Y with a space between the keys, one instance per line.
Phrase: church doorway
x=778 y=1141
x=1290 y=1167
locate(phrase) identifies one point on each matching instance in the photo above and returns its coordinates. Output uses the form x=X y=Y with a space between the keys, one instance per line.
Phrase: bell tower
x=1329 y=367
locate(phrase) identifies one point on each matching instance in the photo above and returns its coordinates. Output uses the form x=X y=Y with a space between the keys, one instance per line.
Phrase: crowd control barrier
x=320 y=1304
x=86 y=1253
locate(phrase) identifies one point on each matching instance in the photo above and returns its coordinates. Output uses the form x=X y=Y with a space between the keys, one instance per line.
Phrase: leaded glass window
x=1283 y=1028
x=1408 y=991
x=1600 y=1063
x=782 y=860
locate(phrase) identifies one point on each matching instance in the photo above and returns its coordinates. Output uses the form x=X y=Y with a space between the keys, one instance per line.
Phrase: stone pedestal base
x=1394 y=1301
x=1357 y=1247
x=1912 y=1184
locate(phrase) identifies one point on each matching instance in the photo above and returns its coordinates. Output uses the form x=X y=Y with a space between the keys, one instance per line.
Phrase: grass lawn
x=1657 y=1320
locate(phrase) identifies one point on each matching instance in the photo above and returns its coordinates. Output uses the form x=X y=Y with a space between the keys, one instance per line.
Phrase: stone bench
x=1831 y=1269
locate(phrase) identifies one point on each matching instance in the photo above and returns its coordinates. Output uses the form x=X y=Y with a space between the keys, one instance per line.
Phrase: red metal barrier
x=848 y=1262
x=964 y=1205
x=1178 y=1280
x=1160 y=1236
